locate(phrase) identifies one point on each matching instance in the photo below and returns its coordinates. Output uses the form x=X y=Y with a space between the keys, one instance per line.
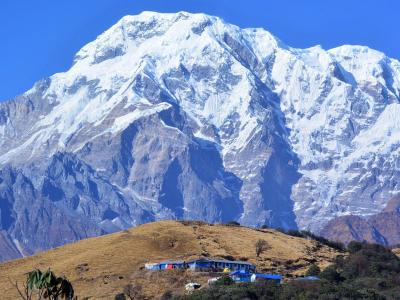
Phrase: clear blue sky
x=39 y=37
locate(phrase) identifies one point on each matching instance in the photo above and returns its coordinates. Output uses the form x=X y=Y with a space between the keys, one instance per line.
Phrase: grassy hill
x=100 y=267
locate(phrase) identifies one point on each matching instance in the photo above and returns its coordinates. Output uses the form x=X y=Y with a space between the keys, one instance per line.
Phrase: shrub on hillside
x=233 y=223
x=330 y=274
x=260 y=246
x=313 y=270
x=224 y=280
x=354 y=247
x=228 y=257
x=133 y=291
x=309 y=235
x=167 y=296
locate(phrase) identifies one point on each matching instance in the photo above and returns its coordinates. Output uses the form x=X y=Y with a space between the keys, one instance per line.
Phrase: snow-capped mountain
x=184 y=116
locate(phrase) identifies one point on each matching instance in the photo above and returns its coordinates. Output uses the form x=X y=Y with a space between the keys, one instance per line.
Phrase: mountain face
x=183 y=116
x=381 y=228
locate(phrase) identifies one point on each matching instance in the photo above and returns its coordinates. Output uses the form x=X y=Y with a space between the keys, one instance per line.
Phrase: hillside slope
x=100 y=267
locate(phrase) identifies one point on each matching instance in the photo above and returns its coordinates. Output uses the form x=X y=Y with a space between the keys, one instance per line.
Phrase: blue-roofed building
x=240 y=276
x=207 y=264
x=203 y=264
x=267 y=277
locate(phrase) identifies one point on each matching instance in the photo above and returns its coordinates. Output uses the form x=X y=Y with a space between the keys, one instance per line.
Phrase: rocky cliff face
x=381 y=228
x=183 y=116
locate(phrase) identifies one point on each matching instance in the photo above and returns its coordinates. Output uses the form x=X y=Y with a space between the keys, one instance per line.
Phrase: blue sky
x=39 y=38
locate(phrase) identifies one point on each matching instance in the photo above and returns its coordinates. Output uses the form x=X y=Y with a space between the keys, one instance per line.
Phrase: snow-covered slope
x=185 y=116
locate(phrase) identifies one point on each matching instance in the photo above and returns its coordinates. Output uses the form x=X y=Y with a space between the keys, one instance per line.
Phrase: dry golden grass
x=100 y=267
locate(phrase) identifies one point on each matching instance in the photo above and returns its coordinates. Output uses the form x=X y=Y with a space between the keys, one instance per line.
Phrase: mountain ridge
x=381 y=228
x=184 y=116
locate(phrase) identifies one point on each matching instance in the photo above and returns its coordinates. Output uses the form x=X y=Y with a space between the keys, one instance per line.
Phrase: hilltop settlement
x=238 y=271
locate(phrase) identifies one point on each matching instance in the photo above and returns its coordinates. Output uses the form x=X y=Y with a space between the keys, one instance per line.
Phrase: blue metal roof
x=269 y=276
x=221 y=261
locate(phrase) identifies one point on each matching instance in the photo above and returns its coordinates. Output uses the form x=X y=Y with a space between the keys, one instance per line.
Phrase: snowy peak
x=368 y=65
x=132 y=31
x=162 y=30
x=141 y=50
